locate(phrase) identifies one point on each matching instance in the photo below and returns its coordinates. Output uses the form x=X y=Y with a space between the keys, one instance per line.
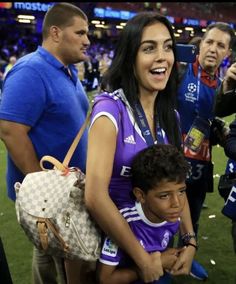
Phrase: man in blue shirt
x=43 y=107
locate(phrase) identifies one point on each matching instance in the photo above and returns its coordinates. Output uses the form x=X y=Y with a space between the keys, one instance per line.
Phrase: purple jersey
x=152 y=236
x=129 y=141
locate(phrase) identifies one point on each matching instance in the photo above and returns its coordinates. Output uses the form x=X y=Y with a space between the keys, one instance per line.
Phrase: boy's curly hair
x=157 y=163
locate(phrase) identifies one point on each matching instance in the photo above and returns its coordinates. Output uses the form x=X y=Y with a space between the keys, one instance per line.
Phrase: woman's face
x=155 y=59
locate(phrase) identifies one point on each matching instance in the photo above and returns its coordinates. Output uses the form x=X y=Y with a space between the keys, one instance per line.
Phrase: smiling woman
x=155 y=59
x=135 y=109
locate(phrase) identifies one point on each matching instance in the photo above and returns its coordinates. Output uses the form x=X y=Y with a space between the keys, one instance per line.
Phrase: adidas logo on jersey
x=130 y=140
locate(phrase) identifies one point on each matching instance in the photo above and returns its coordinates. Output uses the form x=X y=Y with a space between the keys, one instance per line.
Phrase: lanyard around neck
x=144 y=127
x=197 y=105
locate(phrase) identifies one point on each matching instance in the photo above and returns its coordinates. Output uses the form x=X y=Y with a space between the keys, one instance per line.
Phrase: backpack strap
x=64 y=165
x=75 y=143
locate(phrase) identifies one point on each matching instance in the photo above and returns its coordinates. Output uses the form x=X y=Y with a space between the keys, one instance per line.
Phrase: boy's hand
x=183 y=263
x=169 y=257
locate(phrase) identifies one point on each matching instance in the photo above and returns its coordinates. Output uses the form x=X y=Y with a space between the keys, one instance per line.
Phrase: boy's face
x=164 y=202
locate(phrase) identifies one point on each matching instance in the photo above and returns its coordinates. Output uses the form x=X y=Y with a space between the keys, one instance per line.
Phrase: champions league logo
x=189 y=96
x=192 y=87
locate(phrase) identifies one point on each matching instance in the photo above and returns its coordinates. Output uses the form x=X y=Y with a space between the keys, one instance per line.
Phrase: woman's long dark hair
x=121 y=73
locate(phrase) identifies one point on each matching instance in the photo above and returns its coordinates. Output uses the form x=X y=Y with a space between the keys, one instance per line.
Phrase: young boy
x=158 y=179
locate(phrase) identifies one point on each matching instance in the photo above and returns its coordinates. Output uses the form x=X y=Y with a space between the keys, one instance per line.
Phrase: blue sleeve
x=23 y=97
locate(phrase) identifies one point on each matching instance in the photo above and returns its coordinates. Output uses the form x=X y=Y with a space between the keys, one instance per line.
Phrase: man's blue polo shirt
x=38 y=93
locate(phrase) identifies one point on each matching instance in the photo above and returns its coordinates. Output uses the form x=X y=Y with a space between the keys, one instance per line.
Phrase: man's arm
x=23 y=101
x=225 y=102
x=226 y=95
x=229 y=82
x=20 y=148
x=230 y=145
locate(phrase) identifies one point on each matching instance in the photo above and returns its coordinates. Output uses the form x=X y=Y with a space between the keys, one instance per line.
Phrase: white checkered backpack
x=51 y=210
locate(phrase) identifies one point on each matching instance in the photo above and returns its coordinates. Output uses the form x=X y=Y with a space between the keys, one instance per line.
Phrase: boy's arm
x=108 y=271
x=109 y=274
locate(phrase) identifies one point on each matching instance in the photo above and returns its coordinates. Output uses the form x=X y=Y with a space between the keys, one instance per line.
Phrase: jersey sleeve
x=24 y=97
x=110 y=254
x=106 y=107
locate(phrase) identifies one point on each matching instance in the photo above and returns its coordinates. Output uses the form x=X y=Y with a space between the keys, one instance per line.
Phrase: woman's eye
x=148 y=48
x=169 y=47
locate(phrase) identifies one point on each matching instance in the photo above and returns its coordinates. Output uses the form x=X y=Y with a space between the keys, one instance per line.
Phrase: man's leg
x=47 y=269
x=196 y=195
x=60 y=268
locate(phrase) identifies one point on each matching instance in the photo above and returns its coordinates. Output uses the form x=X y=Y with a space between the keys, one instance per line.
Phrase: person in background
x=43 y=107
x=224 y=106
x=158 y=180
x=196 y=40
x=104 y=63
x=196 y=93
x=225 y=100
x=225 y=64
x=12 y=62
x=135 y=110
x=231 y=168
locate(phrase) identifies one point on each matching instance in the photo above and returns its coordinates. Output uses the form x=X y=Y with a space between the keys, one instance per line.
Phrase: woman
x=136 y=111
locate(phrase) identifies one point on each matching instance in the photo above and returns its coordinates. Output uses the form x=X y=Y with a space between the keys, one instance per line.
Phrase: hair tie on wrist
x=192 y=245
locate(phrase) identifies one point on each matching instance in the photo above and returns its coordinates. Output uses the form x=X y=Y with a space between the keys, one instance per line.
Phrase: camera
x=186 y=53
x=219 y=132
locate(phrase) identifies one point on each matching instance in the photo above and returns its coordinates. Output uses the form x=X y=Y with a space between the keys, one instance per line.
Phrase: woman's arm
x=101 y=151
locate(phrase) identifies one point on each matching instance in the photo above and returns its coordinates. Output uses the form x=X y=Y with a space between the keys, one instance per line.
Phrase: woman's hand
x=151 y=268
